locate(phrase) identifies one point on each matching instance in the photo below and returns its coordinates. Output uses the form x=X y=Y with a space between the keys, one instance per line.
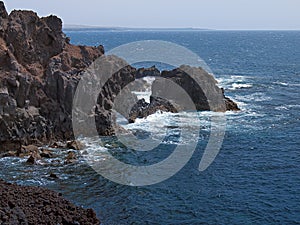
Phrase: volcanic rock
x=35 y=205
x=40 y=71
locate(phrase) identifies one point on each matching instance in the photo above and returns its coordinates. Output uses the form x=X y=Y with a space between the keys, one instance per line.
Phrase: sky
x=208 y=14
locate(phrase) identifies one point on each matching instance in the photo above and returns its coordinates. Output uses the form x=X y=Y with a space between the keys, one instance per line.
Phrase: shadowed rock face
x=200 y=87
x=40 y=71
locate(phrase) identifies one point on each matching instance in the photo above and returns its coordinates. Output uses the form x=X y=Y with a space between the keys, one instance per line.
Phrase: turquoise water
x=255 y=179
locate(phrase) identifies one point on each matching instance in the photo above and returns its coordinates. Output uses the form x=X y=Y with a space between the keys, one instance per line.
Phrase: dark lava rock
x=28 y=150
x=31 y=160
x=40 y=71
x=35 y=205
x=45 y=153
x=142 y=109
x=147 y=72
x=53 y=176
x=71 y=158
x=75 y=145
x=57 y=145
x=198 y=84
x=34 y=157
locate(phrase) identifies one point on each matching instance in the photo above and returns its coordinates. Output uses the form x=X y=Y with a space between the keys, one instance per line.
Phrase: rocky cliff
x=39 y=73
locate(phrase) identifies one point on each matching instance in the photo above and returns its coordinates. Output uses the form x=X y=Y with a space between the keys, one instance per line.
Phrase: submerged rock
x=53 y=176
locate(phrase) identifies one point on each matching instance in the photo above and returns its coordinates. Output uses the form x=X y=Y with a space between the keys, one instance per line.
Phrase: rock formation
x=39 y=73
x=197 y=83
x=34 y=205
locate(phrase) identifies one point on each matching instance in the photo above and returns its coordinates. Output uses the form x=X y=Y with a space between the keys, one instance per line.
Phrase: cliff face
x=39 y=73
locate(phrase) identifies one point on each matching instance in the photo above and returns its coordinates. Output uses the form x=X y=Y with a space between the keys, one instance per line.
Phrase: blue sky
x=213 y=14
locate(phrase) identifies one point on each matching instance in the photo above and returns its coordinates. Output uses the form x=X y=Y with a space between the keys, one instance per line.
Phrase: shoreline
x=37 y=205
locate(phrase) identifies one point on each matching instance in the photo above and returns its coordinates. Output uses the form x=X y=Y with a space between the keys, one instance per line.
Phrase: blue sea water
x=255 y=178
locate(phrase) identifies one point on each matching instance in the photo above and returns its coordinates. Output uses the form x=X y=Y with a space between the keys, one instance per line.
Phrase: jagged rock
x=9 y=154
x=230 y=105
x=3 y=13
x=147 y=72
x=45 y=153
x=71 y=158
x=143 y=109
x=35 y=156
x=31 y=160
x=40 y=71
x=53 y=175
x=75 y=145
x=28 y=150
x=6 y=146
x=36 y=205
x=168 y=91
x=57 y=144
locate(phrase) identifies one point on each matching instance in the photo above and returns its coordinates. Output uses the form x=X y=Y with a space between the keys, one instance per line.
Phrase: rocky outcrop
x=40 y=71
x=35 y=205
x=200 y=86
x=143 y=109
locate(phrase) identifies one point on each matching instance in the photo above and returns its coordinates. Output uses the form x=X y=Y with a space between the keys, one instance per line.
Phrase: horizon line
x=89 y=27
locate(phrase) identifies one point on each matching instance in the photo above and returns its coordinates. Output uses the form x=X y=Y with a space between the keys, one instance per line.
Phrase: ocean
x=255 y=178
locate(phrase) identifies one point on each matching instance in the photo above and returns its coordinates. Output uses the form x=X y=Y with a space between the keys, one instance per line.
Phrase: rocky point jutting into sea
x=39 y=72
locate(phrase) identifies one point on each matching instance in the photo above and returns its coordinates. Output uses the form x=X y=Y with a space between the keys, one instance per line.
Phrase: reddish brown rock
x=75 y=145
x=71 y=158
x=40 y=71
x=45 y=153
x=34 y=205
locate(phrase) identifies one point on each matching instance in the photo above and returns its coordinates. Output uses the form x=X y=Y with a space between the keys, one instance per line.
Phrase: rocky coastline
x=35 y=205
x=39 y=72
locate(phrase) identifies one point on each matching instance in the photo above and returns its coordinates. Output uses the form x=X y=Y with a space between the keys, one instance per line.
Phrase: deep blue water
x=255 y=179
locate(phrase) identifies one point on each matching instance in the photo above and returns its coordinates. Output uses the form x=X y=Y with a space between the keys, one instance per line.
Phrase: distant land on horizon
x=70 y=27
x=87 y=27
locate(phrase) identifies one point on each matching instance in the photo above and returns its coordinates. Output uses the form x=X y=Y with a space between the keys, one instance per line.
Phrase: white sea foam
x=281 y=83
x=280 y=108
x=293 y=106
x=285 y=84
x=233 y=82
x=256 y=97
x=143 y=95
x=287 y=107
x=240 y=86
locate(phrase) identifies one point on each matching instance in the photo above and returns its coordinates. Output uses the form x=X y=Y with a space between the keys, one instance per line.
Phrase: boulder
x=75 y=145
x=45 y=153
x=71 y=158
x=34 y=157
x=143 y=109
